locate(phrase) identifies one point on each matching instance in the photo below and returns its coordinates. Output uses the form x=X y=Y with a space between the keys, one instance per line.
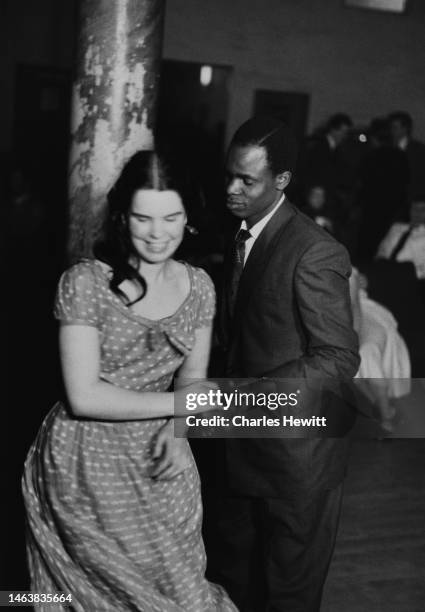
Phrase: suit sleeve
x=323 y=300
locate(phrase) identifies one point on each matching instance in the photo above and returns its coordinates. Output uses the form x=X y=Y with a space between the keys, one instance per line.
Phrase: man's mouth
x=235 y=204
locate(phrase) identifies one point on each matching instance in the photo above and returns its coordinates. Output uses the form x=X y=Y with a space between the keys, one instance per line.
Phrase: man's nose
x=233 y=186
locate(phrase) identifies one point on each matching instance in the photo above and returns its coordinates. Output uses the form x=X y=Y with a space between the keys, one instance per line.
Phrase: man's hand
x=172 y=455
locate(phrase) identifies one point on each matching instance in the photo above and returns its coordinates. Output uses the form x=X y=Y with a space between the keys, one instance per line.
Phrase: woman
x=112 y=498
x=384 y=373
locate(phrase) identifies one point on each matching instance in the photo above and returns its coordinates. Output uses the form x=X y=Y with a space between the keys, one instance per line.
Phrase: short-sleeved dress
x=99 y=527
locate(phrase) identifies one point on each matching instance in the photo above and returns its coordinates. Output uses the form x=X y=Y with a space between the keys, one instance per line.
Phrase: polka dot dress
x=99 y=527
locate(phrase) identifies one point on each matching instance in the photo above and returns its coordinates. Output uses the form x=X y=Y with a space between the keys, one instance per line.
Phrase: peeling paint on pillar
x=113 y=105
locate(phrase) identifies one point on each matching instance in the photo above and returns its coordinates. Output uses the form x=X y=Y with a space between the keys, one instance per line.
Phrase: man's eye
x=248 y=182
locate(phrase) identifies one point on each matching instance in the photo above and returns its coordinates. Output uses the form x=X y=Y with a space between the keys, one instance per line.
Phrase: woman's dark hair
x=145 y=170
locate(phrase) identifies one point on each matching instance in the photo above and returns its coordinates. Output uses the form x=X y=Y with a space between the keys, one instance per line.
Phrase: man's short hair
x=337 y=121
x=274 y=136
x=404 y=118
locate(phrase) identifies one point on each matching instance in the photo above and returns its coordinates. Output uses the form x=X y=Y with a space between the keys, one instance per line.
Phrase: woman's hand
x=172 y=455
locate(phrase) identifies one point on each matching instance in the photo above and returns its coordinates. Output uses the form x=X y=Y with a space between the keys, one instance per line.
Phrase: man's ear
x=283 y=179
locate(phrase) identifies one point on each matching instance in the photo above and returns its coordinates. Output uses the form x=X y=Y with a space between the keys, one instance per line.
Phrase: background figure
x=405 y=240
x=321 y=162
x=382 y=188
x=285 y=314
x=401 y=131
x=395 y=279
x=318 y=206
x=385 y=362
x=112 y=497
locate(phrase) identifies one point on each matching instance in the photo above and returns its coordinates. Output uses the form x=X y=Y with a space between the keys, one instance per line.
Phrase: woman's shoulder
x=86 y=268
x=84 y=273
x=202 y=295
x=201 y=280
x=79 y=293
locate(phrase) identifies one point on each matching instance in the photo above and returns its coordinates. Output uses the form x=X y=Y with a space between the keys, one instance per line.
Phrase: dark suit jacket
x=415 y=153
x=292 y=320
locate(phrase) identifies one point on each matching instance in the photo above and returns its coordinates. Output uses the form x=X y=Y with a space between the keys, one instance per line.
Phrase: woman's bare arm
x=91 y=397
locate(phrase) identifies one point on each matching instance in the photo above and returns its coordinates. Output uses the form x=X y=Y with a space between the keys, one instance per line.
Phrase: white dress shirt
x=413 y=250
x=256 y=229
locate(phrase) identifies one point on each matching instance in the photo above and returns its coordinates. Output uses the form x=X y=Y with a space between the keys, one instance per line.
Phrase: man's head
x=338 y=127
x=378 y=132
x=259 y=164
x=401 y=125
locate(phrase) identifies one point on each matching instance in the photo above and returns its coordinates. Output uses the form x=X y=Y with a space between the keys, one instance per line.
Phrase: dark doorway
x=41 y=143
x=41 y=122
x=191 y=121
x=34 y=218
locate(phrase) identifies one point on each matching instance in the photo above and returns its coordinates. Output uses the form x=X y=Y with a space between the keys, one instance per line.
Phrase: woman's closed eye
x=173 y=217
x=139 y=218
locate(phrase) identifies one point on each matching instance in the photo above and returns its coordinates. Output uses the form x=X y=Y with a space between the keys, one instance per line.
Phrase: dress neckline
x=106 y=269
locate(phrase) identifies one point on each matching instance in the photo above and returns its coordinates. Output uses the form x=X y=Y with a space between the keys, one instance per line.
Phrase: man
x=397 y=280
x=401 y=129
x=406 y=241
x=321 y=164
x=289 y=317
x=378 y=199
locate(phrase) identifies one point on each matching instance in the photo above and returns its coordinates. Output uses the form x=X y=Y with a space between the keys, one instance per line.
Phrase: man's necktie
x=238 y=263
x=400 y=244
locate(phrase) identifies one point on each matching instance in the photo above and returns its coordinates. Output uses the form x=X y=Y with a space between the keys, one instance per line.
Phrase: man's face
x=340 y=134
x=252 y=189
x=398 y=131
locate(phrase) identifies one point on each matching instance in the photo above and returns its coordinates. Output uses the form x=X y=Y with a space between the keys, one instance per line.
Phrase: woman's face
x=156 y=222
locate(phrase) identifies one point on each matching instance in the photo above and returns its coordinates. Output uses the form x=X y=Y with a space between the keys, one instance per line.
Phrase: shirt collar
x=256 y=229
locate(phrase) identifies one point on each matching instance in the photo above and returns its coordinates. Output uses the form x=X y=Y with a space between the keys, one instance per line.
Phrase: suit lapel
x=260 y=255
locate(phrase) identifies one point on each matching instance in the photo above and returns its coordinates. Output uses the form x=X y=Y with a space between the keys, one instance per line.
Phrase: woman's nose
x=156 y=228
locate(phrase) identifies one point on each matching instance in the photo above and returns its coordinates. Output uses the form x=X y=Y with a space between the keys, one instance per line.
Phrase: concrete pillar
x=113 y=104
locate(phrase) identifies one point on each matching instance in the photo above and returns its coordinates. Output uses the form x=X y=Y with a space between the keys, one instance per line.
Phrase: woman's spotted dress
x=99 y=527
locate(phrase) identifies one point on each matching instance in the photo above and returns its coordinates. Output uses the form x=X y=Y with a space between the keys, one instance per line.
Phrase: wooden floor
x=379 y=562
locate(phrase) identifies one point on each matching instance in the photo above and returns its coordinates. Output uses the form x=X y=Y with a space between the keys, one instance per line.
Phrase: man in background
x=321 y=163
x=401 y=131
